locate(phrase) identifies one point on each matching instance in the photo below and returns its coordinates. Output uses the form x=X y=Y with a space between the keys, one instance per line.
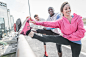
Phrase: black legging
x=75 y=48
x=49 y=32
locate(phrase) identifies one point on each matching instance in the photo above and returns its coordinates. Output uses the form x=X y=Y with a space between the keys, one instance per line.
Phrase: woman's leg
x=42 y=31
x=51 y=38
x=75 y=48
x=45 y=53
x=45 y=46
x=59 y=49
x=58 y=46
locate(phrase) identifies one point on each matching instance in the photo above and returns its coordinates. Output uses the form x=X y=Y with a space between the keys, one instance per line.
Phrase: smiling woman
x=19 y=9
x=70 y=26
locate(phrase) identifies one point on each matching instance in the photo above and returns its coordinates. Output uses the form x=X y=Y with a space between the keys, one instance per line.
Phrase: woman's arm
x=54 y=24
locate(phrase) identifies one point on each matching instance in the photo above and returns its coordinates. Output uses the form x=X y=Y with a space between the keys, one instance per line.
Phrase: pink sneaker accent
x=46 y=54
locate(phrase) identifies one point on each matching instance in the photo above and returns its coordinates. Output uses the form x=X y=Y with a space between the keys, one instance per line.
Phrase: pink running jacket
x=73 y=31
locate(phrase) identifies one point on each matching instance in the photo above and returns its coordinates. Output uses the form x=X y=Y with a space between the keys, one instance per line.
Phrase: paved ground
x=84 y=42
x=38 y=49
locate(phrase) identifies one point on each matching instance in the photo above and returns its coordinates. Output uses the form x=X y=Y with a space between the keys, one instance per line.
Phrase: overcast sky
x=20 y=9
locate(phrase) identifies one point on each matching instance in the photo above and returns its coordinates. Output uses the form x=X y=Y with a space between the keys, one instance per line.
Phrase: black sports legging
x=75 y=48
x=49 y=32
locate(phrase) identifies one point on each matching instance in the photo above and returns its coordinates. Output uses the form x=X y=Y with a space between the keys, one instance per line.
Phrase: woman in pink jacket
x=70 y=26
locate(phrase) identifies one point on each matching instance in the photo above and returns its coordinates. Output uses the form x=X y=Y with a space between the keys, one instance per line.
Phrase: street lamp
x=29 y=7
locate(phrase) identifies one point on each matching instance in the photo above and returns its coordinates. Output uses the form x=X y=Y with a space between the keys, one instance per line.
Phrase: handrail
x=23 y=49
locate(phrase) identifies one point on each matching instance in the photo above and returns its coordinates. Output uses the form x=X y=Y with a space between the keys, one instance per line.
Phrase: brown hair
x=35 y=15
x=62 y=6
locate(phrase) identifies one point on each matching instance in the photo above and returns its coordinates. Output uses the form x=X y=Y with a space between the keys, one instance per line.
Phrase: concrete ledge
x=24 y=49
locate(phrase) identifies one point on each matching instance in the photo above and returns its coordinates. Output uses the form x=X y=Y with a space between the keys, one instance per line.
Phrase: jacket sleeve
x=54 y=24
x=79 y=33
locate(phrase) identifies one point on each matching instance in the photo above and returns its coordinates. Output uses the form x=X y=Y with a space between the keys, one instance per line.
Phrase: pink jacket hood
x=73 y=31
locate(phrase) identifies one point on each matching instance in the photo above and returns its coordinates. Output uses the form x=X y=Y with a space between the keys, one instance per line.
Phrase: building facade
x=3 y=14
x=9 y=22
x=12 y=21
x=6 y=20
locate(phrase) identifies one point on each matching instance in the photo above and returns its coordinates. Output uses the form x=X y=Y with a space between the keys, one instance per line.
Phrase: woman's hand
x=31 y=20
x=28 y=17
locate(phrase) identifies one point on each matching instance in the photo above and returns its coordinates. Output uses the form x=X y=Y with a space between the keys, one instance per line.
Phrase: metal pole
x=4 y=25
x=29 y=8
x=8 y=19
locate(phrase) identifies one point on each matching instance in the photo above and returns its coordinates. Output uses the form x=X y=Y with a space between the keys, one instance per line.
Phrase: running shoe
x=26 y=27
x=45 y=55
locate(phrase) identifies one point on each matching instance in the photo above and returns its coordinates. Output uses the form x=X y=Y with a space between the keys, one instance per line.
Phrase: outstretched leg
x=51 y=38
x=76 y=48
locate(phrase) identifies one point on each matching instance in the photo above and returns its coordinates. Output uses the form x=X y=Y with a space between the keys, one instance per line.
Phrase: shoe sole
x=25 y=28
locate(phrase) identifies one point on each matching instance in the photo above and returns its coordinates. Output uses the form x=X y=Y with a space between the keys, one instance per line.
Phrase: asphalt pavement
x=38 y=49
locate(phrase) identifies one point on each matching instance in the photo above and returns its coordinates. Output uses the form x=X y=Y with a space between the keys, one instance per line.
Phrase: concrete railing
x=24 y=49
